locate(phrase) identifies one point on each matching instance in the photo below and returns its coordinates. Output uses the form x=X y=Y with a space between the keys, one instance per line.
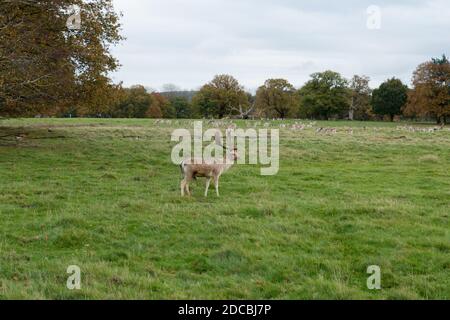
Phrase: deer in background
x=192 y=169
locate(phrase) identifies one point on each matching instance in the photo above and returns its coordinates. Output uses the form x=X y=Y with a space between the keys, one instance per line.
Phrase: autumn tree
x=324 y=96
x=161 y=107
x=45 y=67
x=390 y=98
x=360 y=108
x=430 y=95
x=220 y=96
x=276 y=98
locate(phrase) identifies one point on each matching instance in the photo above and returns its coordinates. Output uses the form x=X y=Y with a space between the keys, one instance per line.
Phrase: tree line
x=327 y=95
x=47 y=69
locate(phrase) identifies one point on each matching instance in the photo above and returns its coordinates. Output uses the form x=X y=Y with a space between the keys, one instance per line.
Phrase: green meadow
x=104 y=195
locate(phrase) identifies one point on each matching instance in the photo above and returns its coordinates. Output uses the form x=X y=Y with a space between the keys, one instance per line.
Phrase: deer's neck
x=227 y=166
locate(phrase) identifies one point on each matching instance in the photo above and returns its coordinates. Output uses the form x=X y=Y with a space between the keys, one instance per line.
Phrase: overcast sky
x=187 y=42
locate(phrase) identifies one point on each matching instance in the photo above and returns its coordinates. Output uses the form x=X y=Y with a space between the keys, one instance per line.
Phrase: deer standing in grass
x=192 y=169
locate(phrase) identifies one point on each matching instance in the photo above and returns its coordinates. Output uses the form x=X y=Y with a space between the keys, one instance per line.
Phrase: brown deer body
x=211 y=170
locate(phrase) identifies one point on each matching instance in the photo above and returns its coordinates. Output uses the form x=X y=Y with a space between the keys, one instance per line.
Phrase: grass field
x=104 y=195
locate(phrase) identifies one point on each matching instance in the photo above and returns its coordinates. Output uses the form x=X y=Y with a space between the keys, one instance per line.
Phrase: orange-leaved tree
x=431 y=93
x=49 y=64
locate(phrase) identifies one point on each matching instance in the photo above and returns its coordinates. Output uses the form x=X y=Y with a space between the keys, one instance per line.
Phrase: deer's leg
x=188 y=189
x=208 y=182
x=183 y=187
x=216 y=184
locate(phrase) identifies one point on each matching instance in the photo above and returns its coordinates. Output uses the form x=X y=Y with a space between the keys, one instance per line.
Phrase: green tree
x=220 y=96
x=276 y=98
x=390 y=98
x=430 y=95
x=325 y=95
x=45 y=67
x=360 y=107
x=182 y=108
x=133 y=102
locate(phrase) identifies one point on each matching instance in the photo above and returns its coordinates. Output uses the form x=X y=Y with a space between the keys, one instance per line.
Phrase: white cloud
x=188 y=42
